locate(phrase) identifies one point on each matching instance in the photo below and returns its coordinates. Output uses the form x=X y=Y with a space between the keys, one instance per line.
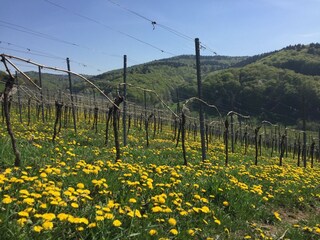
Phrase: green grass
x=77 y=181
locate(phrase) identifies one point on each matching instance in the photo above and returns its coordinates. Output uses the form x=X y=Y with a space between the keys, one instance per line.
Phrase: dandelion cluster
x=78 y=190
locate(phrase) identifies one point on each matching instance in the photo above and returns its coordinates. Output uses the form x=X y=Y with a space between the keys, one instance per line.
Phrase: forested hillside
x=162 y=76
x=280 y=86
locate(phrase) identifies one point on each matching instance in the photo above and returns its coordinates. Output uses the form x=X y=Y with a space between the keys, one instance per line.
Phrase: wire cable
x=108 y=27
x=23 y=29
x=154 y=23
x=41 y=53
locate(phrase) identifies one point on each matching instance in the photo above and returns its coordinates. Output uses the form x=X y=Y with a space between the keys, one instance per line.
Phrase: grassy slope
x=73 y=189
x=163 y=76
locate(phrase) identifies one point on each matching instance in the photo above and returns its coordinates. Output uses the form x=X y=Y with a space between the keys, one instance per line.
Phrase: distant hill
x=278 y=86
x=164 y=76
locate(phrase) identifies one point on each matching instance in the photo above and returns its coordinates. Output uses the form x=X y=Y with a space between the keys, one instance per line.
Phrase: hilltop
x=280 y=86
x=164 y=76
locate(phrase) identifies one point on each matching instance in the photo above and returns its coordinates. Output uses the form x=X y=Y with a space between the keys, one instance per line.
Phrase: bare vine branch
x=154 y=92
x=65 y=71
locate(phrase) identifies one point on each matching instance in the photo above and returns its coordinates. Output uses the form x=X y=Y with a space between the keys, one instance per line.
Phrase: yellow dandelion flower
x=174 y=231
x=225 y=203
x=153 y=232
x=24 y=192
x=277 y=216
x=99 y=212
x=54 y=202
x=184 y=213
x=80 y=229
x=247 y=237
x=29 y=201
x=307 y=229
x=205 y=209
x=22 y=221
x=7 y=200
x=172 y=222
x=117 y=223
x=47 y=225
x=131 y=214
x=84 y=220
x=137 y=213
x=99 y=218
x=132 y=200
x=43 y=206
x=71 y=219
x=92 y=225
x=156 y=209
x=75 y=205
x=23 y=214
x=37 y=228
x=191 y=232
x=43 y=175
x=63 y=216
x=63 y=204
x=80 y=185
x=48 y=216
x=217 y=221
x=109 y=216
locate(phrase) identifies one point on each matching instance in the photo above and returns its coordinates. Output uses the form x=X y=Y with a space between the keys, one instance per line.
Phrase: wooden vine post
x=179 y=131
x=71 y=96
x=226 y=134
x=245 y=136
x=19 y=97
x=115 y=111
x=318 y=157
x=183 y=137
x=312 y=151
x=154 y=123
x=95 y=119
x=6 y=94
x=282 y=148
x=299 y=151
x=41 y=94
x=107 y=125
x=58 y=120
x=201 y=116
x=124 y=115
x=232 y=133
x=256 y=131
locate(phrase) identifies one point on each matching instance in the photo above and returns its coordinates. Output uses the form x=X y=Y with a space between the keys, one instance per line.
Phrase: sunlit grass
x=74 y=189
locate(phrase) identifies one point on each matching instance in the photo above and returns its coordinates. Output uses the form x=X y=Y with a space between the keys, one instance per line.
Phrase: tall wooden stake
x=304 y=146
x=201 y=116
x=41 y=94
x=19 y=98
x=71 y=96
x=232 y=134
x=124 y=117
x=319 y=144
x=6 y=93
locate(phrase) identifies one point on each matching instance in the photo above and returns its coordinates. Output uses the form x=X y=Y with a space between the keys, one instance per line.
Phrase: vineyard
x=99 y=166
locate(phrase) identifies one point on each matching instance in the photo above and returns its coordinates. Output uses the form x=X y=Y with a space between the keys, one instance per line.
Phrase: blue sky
x=228 y=27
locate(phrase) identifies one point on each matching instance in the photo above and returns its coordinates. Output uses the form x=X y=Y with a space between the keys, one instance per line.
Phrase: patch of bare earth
x=288 y=219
